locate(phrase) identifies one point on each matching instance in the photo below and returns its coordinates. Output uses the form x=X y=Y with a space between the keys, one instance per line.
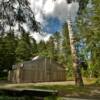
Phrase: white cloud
x=73 y=8
x=38 y=37
x=52 y=8
x=48 y=7
x=37 y=7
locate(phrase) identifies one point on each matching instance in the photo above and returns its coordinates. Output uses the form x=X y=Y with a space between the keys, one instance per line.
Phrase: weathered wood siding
x=42 y=70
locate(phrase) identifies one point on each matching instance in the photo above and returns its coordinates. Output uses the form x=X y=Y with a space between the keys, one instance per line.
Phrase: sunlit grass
x=89 y=81
x=63 y=88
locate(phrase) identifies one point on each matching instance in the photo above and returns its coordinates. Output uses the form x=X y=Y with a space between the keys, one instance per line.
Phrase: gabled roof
x=36 y=61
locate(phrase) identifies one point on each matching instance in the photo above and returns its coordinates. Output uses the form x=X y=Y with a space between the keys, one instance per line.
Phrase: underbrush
x=97 y=81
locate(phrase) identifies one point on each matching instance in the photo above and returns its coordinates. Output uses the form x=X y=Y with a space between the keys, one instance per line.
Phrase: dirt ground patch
x=6 y=84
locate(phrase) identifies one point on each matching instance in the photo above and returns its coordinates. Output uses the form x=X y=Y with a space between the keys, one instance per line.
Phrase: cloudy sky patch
x=52 y=13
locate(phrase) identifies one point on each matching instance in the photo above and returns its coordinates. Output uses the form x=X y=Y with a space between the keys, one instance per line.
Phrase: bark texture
x=76 y=66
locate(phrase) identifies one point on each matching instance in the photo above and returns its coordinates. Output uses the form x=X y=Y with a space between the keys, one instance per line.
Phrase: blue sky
x=53 y=25
x=51 y=14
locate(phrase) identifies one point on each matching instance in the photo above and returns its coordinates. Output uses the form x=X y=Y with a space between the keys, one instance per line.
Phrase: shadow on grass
x=89 y=91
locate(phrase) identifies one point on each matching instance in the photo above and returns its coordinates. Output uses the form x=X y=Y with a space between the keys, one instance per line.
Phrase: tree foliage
x=7 y=52
x=14 y=14
x=24 y=49
x=90 y=35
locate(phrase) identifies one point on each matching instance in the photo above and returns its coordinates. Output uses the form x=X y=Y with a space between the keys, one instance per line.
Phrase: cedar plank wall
x=42 y=70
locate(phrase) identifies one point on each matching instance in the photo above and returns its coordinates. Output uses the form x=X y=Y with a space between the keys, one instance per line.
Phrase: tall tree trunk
x=76 y=66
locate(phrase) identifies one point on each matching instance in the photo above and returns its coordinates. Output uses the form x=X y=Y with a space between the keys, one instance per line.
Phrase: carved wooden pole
x=76 y=66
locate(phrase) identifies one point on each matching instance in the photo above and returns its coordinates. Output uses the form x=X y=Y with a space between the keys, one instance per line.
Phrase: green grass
x=5 y=97
x=24 y=98
x=62 y=89
x=3 y=78
x=11 y=98
x=97 y=81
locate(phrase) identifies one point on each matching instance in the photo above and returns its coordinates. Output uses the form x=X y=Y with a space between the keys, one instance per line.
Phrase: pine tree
x=15 y=13
x=72 y=39
x=66 y=50
x=24 y=48
x=7 y=52
x=90 y=32
x=34 y=47
x=51 y=48
x=42 y=49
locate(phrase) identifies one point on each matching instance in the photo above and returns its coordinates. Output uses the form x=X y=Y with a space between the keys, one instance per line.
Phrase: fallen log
x=28 y=92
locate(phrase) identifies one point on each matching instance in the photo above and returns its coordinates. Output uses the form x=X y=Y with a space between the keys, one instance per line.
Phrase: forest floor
x=65 y=89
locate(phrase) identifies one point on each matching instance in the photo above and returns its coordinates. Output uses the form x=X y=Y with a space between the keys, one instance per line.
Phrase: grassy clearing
x=63 y=90
x=27 y=98
x=11 y=98
x=68 y=88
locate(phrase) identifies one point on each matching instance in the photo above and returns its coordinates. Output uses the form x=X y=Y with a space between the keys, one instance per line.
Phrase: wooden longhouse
x=38 y=70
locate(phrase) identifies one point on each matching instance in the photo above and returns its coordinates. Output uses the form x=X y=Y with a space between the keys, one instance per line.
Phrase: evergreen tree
x=1 y=53
x=7 y=51
x=90 y=33
x=51 y=48
x=57 y=46
x=15 y=13
x=24 y=48
x=66 y=50
x=42 y=49
x=75 y=59
x=34 y=47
